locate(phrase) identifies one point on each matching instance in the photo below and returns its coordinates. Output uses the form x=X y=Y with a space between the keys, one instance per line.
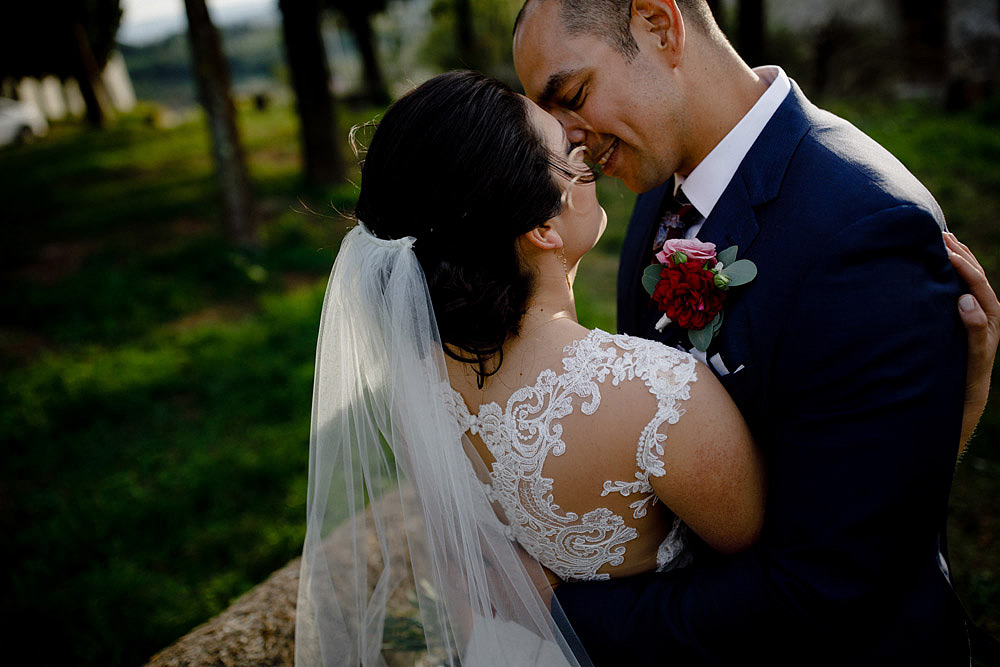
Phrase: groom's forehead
x=545 y=55
x=541 y=25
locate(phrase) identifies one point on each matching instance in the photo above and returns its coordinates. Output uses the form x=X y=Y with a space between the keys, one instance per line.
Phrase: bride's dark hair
x=458 y=164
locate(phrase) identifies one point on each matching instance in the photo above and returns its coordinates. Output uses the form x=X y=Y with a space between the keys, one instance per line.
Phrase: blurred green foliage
x=489 y=27
x=155 y=386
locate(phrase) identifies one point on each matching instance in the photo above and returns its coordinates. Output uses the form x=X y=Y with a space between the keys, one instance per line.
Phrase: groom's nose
x=577 y=129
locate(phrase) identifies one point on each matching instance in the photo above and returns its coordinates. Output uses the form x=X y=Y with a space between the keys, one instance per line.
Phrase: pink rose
x=692 y=248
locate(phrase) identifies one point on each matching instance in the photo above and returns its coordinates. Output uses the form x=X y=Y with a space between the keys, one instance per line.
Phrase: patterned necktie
x=677 y=219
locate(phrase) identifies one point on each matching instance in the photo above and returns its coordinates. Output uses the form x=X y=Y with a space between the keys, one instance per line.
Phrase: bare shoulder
x=693 y=445
x=633 y=392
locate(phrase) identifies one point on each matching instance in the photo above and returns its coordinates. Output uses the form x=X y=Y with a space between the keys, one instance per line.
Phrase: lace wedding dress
x=522 y=436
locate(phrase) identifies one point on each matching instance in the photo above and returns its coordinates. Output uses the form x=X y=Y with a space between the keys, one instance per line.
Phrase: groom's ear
x=544 y=237
x=661 y=21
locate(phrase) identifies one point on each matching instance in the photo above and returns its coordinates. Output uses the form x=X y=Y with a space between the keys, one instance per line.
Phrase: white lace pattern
x=523 y=435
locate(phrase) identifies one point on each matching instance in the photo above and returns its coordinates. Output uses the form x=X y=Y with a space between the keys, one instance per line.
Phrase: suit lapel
x=733 y=221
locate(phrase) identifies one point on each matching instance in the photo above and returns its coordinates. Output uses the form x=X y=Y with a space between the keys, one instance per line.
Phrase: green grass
x=157 y=479
x=156 y=386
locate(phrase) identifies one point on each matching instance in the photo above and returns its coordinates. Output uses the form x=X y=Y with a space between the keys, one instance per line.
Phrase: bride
x=498 y=442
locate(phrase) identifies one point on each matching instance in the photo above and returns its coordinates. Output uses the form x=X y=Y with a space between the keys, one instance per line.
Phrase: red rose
x=687 y=294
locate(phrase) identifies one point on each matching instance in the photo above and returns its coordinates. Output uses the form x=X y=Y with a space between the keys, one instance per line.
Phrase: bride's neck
x=552 y=300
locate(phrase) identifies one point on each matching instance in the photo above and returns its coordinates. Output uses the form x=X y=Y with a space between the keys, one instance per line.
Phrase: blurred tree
x=473 y=34
x=358 y=16
x=310 y=75
x=973 y=52
x=925 y=47
x=751 y=31
x=465 y=34
x=212 y=75
x=65 y=38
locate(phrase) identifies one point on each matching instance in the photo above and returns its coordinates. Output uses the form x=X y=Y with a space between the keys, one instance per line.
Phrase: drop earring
x=569 y=286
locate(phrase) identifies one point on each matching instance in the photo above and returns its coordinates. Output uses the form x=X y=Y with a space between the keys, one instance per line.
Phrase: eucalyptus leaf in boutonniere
x=690 y=285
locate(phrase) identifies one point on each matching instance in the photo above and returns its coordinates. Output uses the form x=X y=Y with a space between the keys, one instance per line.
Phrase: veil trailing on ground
x=391 y=475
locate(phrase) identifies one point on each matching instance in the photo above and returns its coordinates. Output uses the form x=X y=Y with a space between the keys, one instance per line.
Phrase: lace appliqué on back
x=522 y=436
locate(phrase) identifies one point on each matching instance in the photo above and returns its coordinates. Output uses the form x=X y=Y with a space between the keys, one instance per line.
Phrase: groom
x=845 y=355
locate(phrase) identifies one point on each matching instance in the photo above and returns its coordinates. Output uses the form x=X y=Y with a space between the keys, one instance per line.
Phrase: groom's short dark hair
x=612 y=19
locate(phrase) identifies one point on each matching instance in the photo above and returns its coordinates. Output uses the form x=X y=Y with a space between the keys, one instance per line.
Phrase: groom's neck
x=723 y=89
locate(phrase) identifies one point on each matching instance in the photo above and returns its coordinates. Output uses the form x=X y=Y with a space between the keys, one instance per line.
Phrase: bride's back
x=584 y=432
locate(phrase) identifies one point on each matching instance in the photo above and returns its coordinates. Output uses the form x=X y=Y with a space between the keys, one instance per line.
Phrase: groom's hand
x=980 y=312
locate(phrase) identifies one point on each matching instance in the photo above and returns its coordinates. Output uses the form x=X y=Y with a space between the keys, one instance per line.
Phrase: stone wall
x=258 y=629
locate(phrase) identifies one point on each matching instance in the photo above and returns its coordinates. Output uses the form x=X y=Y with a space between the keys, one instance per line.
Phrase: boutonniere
x=690 y=284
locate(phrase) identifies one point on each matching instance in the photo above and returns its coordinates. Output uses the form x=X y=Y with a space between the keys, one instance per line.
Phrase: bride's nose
x=575 y=133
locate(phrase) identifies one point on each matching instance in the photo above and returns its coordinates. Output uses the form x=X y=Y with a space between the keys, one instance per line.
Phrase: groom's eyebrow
x=554 y=85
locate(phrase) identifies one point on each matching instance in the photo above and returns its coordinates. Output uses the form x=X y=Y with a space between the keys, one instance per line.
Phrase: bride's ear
x=544 y=237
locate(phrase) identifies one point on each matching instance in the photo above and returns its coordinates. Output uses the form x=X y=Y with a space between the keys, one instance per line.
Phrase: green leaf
x=728 y=256
x=717 y=323
x=651 y=276
x=701 y=338
x=740 y=272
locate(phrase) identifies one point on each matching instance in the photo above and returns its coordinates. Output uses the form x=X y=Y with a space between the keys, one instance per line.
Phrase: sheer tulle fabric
x=390 y=473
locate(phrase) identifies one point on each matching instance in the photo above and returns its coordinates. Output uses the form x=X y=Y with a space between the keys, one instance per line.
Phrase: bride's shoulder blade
x=712 y=474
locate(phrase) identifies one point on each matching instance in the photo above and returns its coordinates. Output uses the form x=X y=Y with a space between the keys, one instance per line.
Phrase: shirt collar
x=705 y=184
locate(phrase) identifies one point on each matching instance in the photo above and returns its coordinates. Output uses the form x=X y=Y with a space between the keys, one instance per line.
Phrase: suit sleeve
x=860 y=438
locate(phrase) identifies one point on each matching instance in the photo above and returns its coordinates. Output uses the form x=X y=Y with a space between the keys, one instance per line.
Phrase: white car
x=20 y=122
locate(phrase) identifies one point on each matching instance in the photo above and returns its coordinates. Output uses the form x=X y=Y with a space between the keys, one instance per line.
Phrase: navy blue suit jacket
x=852 y=383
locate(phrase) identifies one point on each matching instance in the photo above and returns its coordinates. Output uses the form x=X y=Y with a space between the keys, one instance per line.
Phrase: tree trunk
x=310 y=74
x=359 y=23
x=973 y=52
x=212 y=75
x=925 y=48
x=99 y=108
x=465 y=34
x=751 y=31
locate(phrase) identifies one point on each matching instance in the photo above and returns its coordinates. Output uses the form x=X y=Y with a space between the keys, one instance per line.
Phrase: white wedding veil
x=392 y=478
